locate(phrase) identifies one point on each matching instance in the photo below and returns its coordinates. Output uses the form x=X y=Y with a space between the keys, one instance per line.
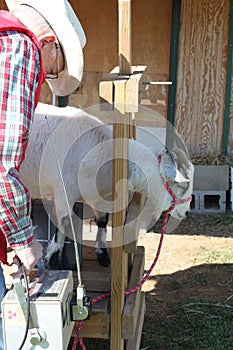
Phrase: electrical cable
x=68 y=207
x=28 y=306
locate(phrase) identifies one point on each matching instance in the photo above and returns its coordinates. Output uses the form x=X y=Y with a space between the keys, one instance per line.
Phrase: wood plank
x=124 y=36
x=134 y=344
x=96 y=327
x=119 y=259
x=132 y=89
x=93 y=265
x=106 y=95
x=89 y=255
x=202 y=75
x=119 y=103
x=132 y=310
x=132 y=95
x=88 y=252
x=94 y=281
x=100 y=307
x=133 y=221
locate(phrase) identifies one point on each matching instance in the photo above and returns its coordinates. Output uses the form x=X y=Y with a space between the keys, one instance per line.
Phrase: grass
x=196 y=325
x=222 y=257
x=216 y=256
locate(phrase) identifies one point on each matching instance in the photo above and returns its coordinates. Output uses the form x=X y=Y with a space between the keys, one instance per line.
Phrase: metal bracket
x=82 y=309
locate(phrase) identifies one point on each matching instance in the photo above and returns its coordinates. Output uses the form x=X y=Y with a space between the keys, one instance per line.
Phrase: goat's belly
x=36 y=189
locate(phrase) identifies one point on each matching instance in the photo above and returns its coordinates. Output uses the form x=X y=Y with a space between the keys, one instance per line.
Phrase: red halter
x=175 y=200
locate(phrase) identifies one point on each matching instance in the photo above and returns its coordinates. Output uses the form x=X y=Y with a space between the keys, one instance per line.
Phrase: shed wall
x=202 y=62
x=200 y=97
x=151 y=35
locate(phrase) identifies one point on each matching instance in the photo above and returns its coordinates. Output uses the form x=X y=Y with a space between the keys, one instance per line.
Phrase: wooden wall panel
x=151 y=24
x=151 y=32
x=230 y=138
x=202 y=74
x=151 y=27
x=99 y=21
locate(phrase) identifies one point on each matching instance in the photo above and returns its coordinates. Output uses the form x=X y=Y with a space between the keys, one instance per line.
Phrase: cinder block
x=211 y=178
x=208 y=202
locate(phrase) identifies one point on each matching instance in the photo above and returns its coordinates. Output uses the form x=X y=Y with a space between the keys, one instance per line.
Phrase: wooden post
x=120 y=92
x=125 y=37
x=119 y=260
x=119 y=271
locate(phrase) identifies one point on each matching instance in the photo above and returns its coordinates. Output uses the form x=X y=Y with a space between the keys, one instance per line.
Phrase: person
x=39 y=40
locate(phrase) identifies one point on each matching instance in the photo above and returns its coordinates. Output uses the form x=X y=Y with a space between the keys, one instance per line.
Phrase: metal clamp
x=82 y=309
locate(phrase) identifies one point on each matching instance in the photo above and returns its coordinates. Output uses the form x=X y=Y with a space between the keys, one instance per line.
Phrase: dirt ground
x=196 y=262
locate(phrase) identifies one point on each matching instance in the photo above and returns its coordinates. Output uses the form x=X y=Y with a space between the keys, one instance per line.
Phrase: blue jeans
x=2 y=294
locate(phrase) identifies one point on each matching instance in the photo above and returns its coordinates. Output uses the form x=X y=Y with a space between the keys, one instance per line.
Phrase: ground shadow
x=183 y=295
x=215 y=225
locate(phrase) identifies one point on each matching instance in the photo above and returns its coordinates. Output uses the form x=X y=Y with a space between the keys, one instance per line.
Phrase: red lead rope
x=78 y=339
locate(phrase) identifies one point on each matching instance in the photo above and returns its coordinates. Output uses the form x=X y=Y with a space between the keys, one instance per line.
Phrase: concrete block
x=211 y=178
x=208 y=202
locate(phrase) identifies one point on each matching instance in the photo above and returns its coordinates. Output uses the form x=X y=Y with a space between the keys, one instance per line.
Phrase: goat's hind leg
x=101 y=244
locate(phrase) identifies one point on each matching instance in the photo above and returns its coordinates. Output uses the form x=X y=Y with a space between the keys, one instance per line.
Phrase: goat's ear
x=180 y=178
x=183 y=163
x=170 y=168
x=173 y=174
x=168 y=165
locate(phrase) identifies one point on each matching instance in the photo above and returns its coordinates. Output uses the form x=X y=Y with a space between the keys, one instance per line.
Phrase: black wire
x=28 y=306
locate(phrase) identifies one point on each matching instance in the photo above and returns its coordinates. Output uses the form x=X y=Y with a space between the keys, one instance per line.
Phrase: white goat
x=83 y=145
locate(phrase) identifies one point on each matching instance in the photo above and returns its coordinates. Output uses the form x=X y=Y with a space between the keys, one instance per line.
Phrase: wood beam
x=119 y=267
x=125 y=36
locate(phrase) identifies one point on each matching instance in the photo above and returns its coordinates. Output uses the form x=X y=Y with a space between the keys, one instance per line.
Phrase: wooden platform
x=97 y=281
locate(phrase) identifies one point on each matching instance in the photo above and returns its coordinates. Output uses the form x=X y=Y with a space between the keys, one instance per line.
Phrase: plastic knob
x=37 y=336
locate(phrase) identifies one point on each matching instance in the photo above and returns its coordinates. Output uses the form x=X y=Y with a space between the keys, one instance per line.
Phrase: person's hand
x=29 y=256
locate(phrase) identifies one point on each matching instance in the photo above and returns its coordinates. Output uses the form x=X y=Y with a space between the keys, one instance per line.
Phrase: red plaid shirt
x=20 y=65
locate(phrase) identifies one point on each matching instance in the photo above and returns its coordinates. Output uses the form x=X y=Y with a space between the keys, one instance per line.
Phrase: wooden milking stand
x=122 y=92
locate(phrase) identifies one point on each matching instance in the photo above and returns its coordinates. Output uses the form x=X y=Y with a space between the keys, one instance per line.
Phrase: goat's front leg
x=53 y=257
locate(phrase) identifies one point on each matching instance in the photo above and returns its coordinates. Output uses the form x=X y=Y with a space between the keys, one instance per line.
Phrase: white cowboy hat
x=64 y=22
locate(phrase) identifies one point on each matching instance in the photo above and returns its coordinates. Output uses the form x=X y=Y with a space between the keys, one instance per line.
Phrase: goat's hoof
x=53 y=263
x=103 y=258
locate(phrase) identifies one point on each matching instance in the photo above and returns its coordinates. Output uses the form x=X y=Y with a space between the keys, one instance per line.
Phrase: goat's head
x=178 y=173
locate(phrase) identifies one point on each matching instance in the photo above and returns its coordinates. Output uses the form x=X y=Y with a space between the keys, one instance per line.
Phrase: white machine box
x=50 y=295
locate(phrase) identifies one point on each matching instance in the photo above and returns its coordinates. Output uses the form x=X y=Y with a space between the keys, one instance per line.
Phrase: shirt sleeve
x=19 y=71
